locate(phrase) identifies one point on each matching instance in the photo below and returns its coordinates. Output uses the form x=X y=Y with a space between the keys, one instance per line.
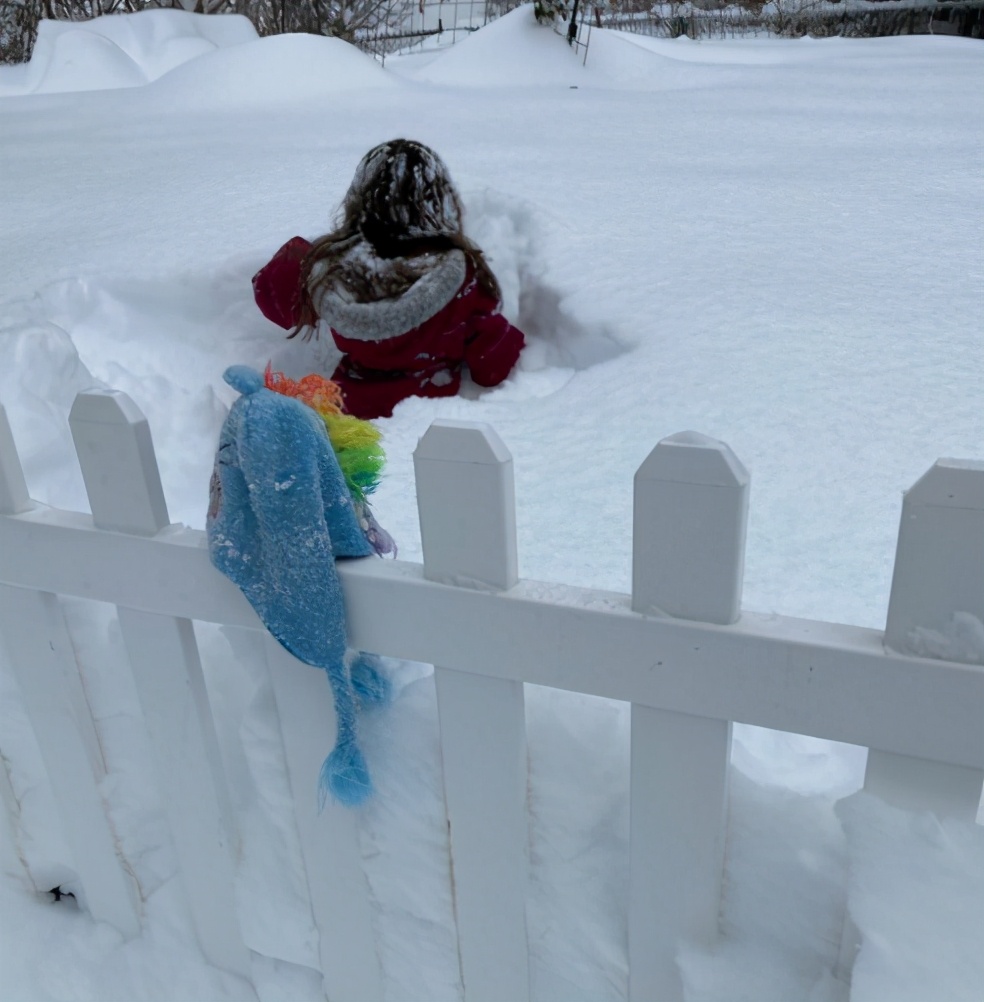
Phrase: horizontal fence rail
x=680 y=649
x=822 y=679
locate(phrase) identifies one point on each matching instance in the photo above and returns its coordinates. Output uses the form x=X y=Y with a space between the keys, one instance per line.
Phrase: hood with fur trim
x=366 y=297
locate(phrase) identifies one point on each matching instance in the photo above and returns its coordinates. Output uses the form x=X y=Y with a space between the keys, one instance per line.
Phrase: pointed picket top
x=462 y=442
x=690 y=515
x=937 y=600
x=950 y=483
x=466 y=503
x=692 y=458
x=116 y=453
x=13 y=488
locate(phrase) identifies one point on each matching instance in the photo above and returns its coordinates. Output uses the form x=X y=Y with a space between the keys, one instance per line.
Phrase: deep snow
x=776 y=243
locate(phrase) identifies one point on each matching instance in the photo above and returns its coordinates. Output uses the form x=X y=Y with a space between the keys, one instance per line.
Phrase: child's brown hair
x=403 y=202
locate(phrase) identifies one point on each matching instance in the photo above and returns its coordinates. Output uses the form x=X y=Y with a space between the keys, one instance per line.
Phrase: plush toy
x=356 y=445
x=280 y=513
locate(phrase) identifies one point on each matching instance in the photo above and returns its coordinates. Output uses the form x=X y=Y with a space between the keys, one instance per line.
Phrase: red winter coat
x=402 y=340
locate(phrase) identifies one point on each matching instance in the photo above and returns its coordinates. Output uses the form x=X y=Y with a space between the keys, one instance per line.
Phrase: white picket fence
x=679 y=649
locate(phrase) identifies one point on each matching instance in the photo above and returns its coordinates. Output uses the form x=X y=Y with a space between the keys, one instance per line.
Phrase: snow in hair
x=402 y=190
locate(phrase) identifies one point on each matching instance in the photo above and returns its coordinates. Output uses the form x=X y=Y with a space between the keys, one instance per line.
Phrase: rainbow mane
x=356 y=442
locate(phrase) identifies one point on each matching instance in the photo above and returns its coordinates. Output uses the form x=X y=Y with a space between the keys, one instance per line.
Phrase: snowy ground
x=776 y=243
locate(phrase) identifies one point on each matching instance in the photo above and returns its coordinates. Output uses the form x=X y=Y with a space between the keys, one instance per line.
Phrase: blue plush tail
x=371 y=686
x=345 y=776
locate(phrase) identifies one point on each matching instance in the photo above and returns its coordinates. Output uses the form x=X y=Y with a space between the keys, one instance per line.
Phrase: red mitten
x=492 y=349
x=277 y=285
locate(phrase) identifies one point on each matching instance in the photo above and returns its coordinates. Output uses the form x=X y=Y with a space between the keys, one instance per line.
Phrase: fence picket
x=465 y=499
x=691 y=505
x=13 y=488
x=329 y=840
x=42 y=658
x=936 y=607
x=939 y=572
x=112 y=439
x=14 y=499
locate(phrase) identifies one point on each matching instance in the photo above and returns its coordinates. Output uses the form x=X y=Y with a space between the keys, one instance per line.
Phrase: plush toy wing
x=279 y=515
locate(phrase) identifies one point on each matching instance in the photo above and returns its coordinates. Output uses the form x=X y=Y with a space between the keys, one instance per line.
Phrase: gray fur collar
x=412 y=290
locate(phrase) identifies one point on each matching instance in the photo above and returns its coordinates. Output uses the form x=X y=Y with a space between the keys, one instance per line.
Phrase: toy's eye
x=214 y=495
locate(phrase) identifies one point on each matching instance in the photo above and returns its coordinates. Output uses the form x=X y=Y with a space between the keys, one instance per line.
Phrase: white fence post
x=691 y=506
x=337 y=884
x=112 y=439
x=937 y=588
x=936 y=610
x=13 y=488
x=465 y=499
x=42 y=658
x=13 y=500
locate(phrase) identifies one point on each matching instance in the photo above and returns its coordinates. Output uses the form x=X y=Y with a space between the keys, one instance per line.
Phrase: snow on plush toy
x=280 y=513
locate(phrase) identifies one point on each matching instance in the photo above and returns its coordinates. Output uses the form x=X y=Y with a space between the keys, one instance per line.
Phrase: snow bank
x=38 y=383
x=53 y=344
x=512 y=51
x=279 y=71
x=122 y=50
x=57 y=346
x=199 y=60
x=515 y=51
x=917 y=897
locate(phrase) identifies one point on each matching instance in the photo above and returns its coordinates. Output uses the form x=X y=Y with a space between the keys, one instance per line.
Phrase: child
x=408 y=297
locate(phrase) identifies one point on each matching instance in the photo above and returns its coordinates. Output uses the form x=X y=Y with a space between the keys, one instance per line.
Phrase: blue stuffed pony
x=279 y=515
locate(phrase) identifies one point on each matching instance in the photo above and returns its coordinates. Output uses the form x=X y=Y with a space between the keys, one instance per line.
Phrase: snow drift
x=119 y=51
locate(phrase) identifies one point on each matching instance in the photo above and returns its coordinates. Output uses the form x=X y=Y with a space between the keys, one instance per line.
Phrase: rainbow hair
x=356 y=442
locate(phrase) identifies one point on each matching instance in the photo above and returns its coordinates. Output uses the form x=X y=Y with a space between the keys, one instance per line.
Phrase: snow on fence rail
x=679 y=649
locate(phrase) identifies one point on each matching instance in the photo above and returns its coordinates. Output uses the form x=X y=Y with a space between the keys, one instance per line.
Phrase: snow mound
x=106 y=329
x=83 y=60
x=200 y=61
x=53 y=342
x=916 y=894
x=512 y=51
x=281 y=70
x=122 y=50
x=515 y=51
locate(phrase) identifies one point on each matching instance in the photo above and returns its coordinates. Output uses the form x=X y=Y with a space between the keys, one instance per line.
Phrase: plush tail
x=344 y=774
x=371 y=686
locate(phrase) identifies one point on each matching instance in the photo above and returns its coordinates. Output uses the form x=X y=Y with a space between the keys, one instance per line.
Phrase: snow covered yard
x=776 y=243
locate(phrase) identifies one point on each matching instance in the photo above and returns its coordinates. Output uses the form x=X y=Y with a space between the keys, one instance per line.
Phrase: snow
x=899 y=859
x=774 y=243
x=961 y=640
x=283 y=66
x=110 y=52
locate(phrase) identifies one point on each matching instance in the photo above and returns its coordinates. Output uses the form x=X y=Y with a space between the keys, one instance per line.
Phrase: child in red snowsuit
x=408 y=297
